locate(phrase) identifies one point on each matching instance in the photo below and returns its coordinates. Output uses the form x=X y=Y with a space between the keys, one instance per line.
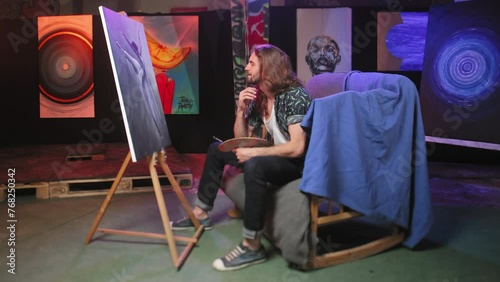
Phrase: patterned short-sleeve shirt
x=290 y=107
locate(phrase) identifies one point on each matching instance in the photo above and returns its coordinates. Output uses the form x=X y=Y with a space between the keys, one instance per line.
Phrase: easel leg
x=177 y=190
x=110 y=194
x=169 y=236
x=163 y=210
x=199 y=228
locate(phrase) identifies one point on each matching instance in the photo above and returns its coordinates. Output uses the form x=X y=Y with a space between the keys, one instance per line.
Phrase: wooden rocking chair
x=333 y=258
x=372 y=106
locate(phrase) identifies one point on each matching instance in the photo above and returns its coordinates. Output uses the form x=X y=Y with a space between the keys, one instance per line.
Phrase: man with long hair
x=276 y=102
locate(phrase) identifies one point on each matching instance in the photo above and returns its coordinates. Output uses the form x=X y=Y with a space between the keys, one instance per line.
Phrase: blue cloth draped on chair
x=367 y=151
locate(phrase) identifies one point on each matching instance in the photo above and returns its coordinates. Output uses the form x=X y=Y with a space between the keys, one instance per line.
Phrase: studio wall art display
x=66 y=77
x=249 y=27
x=173 y=46
x=135 y=81
x=324 y=39
x=239 y=47
x=460 y=93
x=401 y=40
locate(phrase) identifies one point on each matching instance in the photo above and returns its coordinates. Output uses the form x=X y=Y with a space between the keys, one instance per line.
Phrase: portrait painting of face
x=323 y=54
x=324 y=41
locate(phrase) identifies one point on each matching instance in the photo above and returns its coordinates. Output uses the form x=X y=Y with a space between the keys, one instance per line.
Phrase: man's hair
x=276 y=69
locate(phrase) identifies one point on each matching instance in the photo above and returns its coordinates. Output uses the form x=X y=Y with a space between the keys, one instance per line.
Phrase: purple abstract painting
x=135 y=81
x=460 y=93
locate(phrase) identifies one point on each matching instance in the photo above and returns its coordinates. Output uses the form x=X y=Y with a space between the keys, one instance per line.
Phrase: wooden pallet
x=61 y=170
x=91 y=187
x=42 y=189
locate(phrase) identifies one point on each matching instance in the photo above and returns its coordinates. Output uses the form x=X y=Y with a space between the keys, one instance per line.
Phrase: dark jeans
x=262 y=176
x=211 y=177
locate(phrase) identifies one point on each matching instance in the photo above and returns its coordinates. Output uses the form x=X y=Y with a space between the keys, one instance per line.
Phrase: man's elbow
x=298 y=151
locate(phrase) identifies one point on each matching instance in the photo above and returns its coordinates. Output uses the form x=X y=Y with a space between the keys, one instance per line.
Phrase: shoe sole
x=190 y=227
x=223 y=268
x=232 y=216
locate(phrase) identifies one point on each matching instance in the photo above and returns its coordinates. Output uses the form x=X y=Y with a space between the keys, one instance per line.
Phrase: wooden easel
x=171 y=239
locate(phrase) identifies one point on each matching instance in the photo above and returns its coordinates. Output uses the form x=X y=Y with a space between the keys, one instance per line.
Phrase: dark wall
x=20 y=122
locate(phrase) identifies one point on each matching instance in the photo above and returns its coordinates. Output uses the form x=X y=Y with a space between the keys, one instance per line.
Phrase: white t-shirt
x=272 y=128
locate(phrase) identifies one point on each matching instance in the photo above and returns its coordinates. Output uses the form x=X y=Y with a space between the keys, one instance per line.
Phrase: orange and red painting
x=66 y=77
x=173 y=46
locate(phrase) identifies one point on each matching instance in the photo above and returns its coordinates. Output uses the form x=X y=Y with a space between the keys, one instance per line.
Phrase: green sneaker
x=240 y=257
x=186 y=223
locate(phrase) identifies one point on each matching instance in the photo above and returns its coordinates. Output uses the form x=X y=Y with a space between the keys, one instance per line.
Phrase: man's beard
x=252 y=80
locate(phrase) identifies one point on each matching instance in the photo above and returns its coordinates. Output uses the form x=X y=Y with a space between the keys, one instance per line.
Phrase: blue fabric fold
x=367 y=151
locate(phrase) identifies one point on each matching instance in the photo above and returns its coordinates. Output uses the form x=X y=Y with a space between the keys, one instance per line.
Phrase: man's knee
x=213 y=149
x=255 y=165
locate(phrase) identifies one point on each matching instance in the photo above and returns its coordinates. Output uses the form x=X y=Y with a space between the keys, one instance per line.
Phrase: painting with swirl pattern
x=66 y=75
x=460 y=86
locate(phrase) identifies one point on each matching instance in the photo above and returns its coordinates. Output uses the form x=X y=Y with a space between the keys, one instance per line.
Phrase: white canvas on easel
x=136 y=84
x=145 y=125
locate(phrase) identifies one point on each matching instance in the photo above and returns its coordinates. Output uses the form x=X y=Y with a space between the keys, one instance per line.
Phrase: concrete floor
x=49 y=234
